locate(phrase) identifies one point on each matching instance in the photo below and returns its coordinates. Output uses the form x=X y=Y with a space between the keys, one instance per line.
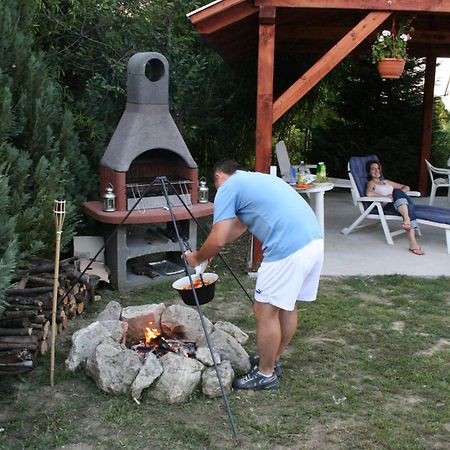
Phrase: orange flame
x=150 y=333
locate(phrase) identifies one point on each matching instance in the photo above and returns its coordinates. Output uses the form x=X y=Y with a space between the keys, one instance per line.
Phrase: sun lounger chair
x=372 y=207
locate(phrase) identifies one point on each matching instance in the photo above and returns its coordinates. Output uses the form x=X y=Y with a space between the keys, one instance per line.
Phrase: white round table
x=317 y=193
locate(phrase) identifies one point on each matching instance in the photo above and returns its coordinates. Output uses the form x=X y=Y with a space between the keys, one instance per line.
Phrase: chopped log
x=24 y=340
x=63 y=321
x=42 y=347
x=37 y=261
x=23 y=282
x=12 y=356
x=72 y=299
x=24 y=301
x=39 y=319
x=67 y=261
x=43 y=268
x=75 y=289
x=43 y=333
x=16 y=368
x=17 y=314
x=19 y=346
x=19 y=307
x=15 y=323
x=16 y=331
x=34 y=270
x=34 y=281
x=72 y=311
x=29 y=292
x=80 y=307
x=80 y=297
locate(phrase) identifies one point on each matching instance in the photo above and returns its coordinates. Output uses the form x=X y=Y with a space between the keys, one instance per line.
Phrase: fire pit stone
x=204 y=356
x=113 y=366
x=233 y=330
x=229 y=349
x=113 y=311
x=84 y=342
x=178 y=380
x=184 y=323
x=169 y=364
x=210 y=386
x=150 y=371
x=139 y=317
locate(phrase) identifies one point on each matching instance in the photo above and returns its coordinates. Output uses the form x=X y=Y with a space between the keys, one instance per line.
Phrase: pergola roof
x=230 y=27
x=331 y=29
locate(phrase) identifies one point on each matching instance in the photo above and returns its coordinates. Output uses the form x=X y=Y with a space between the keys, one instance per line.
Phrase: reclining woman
x=378 y=186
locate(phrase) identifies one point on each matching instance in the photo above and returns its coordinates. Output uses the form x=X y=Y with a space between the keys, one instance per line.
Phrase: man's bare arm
x=221 y=234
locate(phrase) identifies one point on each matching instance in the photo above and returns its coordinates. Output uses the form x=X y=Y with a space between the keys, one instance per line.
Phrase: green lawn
x=368 y=369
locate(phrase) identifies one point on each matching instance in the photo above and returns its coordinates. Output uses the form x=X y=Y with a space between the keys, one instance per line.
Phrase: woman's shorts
x=294 y=278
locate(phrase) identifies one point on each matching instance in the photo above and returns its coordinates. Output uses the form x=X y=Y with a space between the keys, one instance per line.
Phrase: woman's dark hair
x=369 y=163
x=227 y=166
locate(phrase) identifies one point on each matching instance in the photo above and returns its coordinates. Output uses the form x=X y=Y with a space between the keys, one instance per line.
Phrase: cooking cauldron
x=204 y=293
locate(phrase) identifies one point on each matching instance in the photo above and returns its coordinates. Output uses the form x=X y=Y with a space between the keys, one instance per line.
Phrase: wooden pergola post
x=427 y=121
x=264 y=102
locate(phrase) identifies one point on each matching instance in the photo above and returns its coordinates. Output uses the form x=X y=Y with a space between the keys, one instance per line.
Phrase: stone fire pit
x=104 y=350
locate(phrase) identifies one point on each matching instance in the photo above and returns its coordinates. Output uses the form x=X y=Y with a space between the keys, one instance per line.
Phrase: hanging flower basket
x=389 y=50
x=391 y=67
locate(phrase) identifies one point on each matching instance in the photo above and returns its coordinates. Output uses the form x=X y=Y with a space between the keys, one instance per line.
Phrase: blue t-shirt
x=272 y=210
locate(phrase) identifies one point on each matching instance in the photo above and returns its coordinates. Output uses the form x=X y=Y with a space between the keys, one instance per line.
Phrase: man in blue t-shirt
x=292 y=244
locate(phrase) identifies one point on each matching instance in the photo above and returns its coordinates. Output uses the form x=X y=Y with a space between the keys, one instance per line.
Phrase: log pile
x=25 y=324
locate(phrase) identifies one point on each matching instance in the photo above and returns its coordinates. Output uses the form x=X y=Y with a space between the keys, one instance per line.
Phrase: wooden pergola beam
x=327 y=33
x=264 y=102
x=432 y=6
x=210 y=19
x=427 y=120
x=330 y=60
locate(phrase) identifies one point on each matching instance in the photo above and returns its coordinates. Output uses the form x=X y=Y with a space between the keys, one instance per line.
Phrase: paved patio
x=365 y=252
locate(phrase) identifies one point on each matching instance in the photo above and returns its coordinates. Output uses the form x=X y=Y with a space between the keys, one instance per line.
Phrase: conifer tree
x=39 y=149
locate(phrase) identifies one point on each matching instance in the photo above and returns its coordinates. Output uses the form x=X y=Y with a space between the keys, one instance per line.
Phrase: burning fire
x=150 y=334
x=158 y=344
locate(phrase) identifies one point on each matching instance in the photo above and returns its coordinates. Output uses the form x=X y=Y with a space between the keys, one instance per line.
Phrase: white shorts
x=294 y=278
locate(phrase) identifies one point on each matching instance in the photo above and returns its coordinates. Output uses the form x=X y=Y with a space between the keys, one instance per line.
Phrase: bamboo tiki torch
x=59 y=210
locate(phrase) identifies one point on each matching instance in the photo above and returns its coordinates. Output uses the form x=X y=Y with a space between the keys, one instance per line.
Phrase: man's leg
x=268 y=335
x=288 y=325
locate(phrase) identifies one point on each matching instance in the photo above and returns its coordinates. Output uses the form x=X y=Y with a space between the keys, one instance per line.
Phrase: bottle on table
x=321 y=172
x=301 y=172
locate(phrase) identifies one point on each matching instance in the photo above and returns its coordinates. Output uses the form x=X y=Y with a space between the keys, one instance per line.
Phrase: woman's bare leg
x=403 y=210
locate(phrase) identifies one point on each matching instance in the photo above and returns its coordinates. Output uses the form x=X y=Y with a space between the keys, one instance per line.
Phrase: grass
x=367 y=369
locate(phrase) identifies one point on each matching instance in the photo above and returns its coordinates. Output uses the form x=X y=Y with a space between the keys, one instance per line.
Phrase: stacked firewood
x=25 y=324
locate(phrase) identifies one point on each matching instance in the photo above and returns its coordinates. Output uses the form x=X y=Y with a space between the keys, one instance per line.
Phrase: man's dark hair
x=227 y=166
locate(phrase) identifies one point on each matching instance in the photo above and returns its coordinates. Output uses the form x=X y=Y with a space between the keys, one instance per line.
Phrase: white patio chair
x=438 y=182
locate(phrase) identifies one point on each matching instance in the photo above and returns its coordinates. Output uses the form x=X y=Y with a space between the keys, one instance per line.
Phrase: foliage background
x=63 y=89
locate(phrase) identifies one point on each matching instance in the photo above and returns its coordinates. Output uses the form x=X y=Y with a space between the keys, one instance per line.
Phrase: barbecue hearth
x=146 y=145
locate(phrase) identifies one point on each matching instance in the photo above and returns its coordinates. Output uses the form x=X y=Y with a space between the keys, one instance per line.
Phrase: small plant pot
x=391 y=67
x=204 y=293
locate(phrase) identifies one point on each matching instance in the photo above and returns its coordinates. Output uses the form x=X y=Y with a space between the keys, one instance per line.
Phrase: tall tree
x=39 y=149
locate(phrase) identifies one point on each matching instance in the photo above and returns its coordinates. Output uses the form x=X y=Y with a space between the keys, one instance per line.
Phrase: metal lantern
x=109 y=199
x=203 y=191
